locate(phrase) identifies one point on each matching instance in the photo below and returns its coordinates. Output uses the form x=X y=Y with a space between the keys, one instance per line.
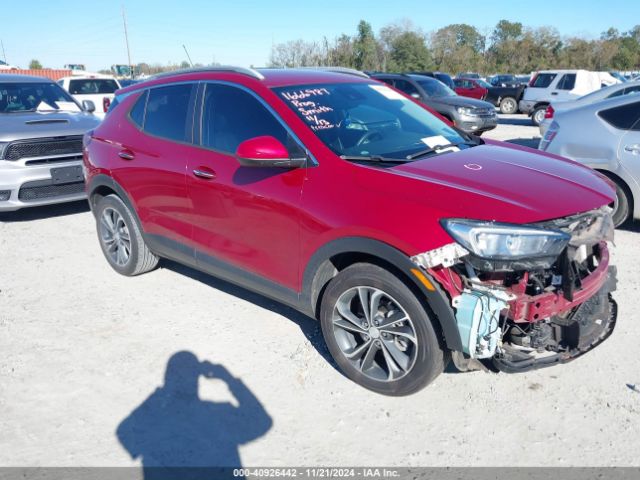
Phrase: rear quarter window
x=624 y=117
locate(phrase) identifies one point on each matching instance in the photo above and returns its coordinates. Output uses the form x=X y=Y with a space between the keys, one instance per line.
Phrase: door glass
x=166 y=113
x=567 y=82
x=230 y=116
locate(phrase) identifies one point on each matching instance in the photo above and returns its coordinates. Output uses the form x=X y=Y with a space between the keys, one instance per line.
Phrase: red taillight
x=548 y=113
x=106 y=103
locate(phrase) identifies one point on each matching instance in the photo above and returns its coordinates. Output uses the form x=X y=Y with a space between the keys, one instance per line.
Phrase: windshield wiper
x=373 y=158
x=437 y=148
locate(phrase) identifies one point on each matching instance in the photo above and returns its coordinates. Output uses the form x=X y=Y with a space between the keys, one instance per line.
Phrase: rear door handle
x=634 y=149
x=205 y=173
x=554 y=93
x=126 y=155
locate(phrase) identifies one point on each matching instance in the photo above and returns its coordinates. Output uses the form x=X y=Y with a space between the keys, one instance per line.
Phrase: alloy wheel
x=375 y=333
x=115 y=237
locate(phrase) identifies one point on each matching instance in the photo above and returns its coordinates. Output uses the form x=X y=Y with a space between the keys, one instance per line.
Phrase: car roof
x=269 y=77
x=88 y=77
x=604 y=104
x=13 y=78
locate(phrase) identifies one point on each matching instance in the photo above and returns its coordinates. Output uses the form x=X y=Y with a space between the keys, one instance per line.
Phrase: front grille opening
x=43 y=161
x=4 y=195
x=39 y=190
x=43 y=148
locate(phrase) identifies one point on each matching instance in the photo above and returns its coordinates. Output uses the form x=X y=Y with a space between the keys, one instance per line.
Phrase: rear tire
x=508 y=105
x=121 y=239
x=538 y=115
x=391 y=348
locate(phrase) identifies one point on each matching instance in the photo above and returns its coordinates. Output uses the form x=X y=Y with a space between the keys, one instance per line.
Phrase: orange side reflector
x=425 y=281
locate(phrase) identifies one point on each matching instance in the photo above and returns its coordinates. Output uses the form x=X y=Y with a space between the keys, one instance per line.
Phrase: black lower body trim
x=176 y=251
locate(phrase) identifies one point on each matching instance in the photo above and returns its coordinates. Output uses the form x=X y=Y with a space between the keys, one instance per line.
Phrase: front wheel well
x=98 y=194
x=335 y=264
x=615 y=178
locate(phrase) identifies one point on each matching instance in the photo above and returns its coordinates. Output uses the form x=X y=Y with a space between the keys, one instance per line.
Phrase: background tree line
x=511 y=47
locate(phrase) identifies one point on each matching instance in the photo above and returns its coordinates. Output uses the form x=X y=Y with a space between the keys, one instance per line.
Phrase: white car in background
x=548 y=86
x=99 y=89
x=606 y=137
x=612 y=91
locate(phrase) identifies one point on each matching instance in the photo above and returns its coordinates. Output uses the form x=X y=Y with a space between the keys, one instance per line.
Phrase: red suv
x=411 y=241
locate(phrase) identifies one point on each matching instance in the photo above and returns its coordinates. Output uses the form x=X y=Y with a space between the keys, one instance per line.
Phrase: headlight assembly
x=502 y=241
x=465 y=110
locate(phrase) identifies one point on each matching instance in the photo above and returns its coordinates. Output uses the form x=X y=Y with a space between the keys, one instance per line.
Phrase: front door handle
x=554 y=93
x=633 y=149
x=126 y=155
x=205 y=173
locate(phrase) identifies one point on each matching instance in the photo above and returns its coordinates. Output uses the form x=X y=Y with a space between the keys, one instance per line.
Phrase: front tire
x=379 y=333
x=508 y=105
x=622 y=205
x=120 y=238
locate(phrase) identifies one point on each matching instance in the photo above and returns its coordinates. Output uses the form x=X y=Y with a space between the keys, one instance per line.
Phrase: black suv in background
x=468 y=114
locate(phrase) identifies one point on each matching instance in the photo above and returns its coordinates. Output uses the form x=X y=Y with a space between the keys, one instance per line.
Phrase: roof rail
x=348 y=71
x=221 y=68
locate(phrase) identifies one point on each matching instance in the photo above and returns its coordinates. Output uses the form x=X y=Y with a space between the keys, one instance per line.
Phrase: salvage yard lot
x=82 y=347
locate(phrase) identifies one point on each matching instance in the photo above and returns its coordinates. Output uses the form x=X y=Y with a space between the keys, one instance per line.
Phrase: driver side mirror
x=266 y=151
x=88 y=106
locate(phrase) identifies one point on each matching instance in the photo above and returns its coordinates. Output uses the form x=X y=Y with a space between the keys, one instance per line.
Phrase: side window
x=388 y=81
x=543 y=80
x=567 y=82
x=231 y=115
x=457 y=83
x=137 y=112
x=624 y=117
x=634 y=89
x=166 y=112
x=406 y=87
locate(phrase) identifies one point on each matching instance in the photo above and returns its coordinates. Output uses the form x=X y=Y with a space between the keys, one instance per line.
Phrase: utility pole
x=126 y=39
x=3 y=54
x=188 y=56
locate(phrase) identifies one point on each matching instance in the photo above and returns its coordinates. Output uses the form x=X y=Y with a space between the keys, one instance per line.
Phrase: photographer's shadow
x=178 y=435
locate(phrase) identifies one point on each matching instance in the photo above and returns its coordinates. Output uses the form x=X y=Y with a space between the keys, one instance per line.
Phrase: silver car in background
x=605 y=136
x=617 y=90
x=41 y=128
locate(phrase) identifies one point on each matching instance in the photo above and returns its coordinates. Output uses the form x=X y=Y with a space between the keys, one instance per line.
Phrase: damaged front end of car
x=527 y=296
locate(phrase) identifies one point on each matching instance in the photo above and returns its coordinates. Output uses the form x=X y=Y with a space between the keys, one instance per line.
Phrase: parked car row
x=470 y=115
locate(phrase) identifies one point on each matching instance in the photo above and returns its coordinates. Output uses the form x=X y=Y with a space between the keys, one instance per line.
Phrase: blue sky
x=241 y=32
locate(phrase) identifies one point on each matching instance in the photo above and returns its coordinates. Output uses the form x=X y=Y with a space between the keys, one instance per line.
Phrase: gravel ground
x=83 y=347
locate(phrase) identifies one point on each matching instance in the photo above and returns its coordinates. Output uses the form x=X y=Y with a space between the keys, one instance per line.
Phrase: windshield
x=364 y=119
x=435 y=88
x=30 y=97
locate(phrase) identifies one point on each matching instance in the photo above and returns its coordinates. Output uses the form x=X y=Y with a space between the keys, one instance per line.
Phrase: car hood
x=18 y=126
x=505 y=183
x=459 y=101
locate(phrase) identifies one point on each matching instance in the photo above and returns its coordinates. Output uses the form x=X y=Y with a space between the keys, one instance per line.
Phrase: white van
x=557 y=86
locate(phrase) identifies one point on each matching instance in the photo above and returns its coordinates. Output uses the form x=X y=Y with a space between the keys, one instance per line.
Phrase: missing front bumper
x=565 y=337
